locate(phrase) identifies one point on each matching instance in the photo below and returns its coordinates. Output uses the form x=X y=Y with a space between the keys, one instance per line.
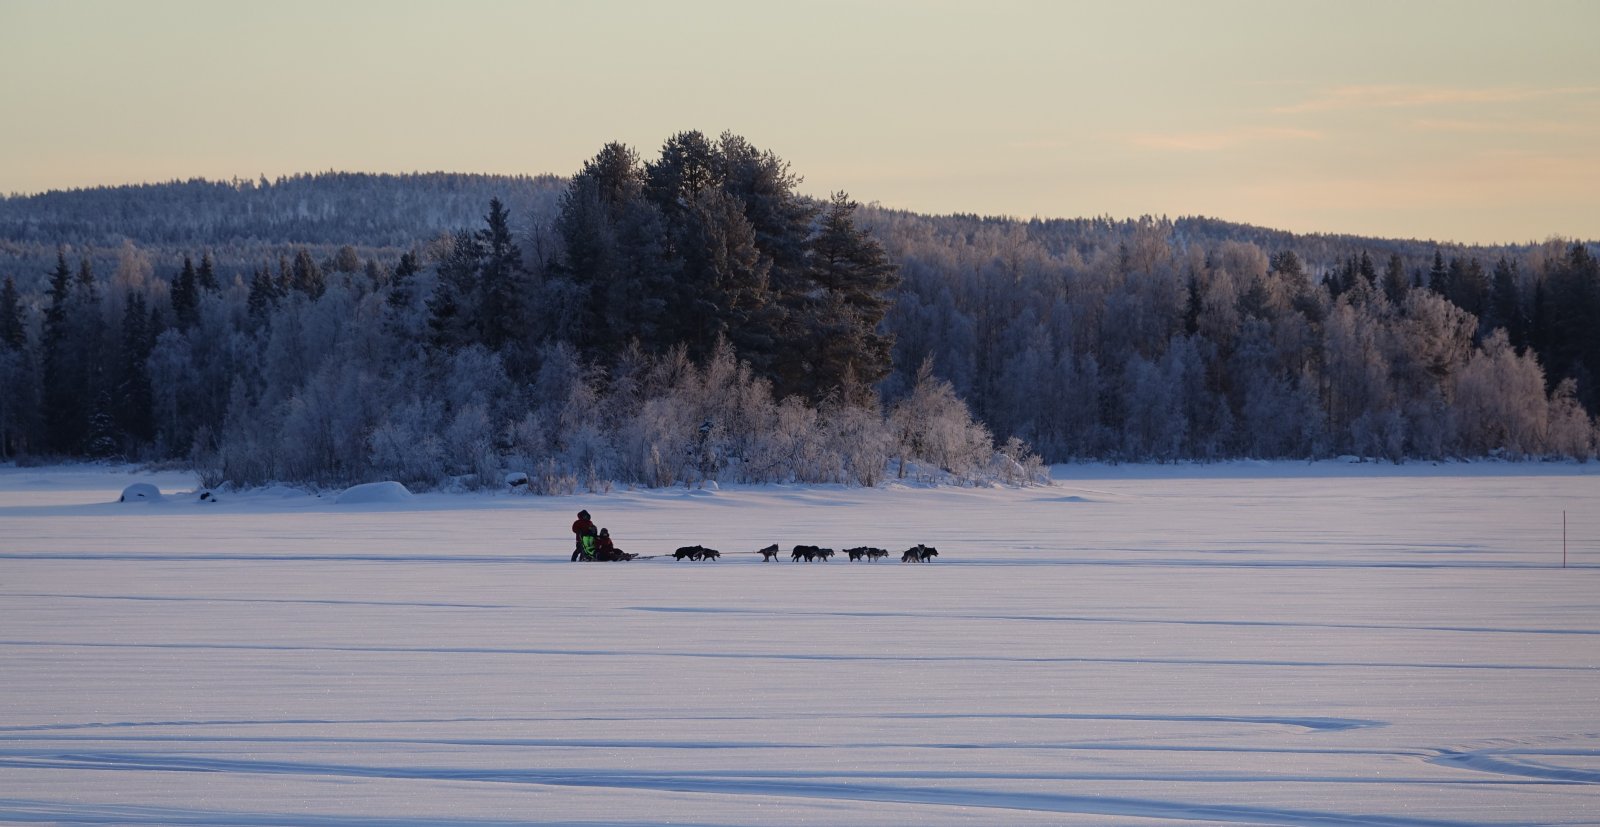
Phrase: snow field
x=1273 y=644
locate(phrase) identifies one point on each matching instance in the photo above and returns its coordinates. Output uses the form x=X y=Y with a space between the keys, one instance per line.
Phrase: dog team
x=596 y=545
x=814 y=554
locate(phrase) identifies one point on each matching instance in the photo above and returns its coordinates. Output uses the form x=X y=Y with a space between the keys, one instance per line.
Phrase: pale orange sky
x=1460 y=121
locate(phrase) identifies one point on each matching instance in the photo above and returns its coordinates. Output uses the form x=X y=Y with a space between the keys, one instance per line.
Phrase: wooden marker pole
x=1563 y=538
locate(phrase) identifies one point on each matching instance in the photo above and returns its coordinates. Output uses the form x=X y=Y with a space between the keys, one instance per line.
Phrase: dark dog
x=770 y=553
x=874 y=554
x=867 y=553
x=919 y=553
x=856 y=553
x=808 y=553
x=696 y=553
x=824 y=553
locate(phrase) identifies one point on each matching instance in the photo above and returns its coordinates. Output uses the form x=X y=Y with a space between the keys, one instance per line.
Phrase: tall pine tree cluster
x=711 y=242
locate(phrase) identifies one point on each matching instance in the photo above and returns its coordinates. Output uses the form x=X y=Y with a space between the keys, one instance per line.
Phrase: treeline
x=691 y=317
x=686 y=319
x=1134 y=340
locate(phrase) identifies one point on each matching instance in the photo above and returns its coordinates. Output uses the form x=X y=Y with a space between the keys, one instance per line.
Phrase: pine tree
x=402 y=284
x=782 y=220
x=854 y=276
x=86 y=291
x=13 y=332
x=62 y=410
x=645 y=285
x=1573 y=306
x=687 y=167
x=726 y=280
x=100 y=438
x=186 y=297
x=1367 y=270
x=1505 y=305
x=306 y=276
x=206 y=276
x=1288 y=264
x=501 y=282
x=134 y=396
x=1468 y=285
x=263 y=294
x=1395 y=282
x=346 y=260
x=609 y=187
x=1439 y=276
x=452 y=309
x=17 y=379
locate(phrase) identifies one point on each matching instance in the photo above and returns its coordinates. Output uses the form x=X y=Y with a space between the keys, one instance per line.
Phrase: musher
x=585 y=537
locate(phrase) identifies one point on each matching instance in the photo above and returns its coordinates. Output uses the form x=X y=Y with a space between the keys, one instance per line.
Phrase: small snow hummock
x=516 y=479
x=140 y=492
x=374 y=492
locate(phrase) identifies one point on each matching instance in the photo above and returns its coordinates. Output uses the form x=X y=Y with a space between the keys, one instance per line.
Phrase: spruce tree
x=186 y=297
x=100 y=439
x=62 y=405
x=500 y=282
x=13 y=332
x=453 y=307
x=1505 y=305
x=1395 y=283
x=263 y=294
x=86 y=291
x=134 y=396
x=1367 y=270
x=17 y=379
x=1439 y=275
x=206 y=276
x=402 y=284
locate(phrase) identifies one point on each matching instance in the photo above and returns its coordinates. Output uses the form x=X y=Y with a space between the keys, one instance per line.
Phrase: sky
x=1475 y=122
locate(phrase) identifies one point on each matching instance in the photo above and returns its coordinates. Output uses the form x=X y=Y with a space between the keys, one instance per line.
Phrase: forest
x=691 y=317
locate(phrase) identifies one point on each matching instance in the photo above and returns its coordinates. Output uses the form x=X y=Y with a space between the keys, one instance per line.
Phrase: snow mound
x=516 y=479
x=140 y=492
x=374 y=492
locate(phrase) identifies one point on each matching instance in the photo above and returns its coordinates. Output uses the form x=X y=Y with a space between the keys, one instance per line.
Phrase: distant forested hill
x=244 y=222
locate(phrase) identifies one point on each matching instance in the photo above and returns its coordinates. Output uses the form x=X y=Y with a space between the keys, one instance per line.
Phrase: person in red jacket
x=607 y=550
x=582 y=528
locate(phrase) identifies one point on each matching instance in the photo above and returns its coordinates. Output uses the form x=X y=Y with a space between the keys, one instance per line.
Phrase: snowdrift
x=140 y=492
x=374 y=492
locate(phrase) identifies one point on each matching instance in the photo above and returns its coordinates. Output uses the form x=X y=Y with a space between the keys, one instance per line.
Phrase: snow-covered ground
x=1242 y=643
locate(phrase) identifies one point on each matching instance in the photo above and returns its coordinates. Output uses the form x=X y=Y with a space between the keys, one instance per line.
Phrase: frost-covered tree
x=934 y=428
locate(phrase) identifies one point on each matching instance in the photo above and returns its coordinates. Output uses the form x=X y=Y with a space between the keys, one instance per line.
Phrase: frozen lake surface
x=1293 y=644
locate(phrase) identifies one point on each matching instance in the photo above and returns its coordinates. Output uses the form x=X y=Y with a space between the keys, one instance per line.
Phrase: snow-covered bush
x=933 y=426
x=140 y=492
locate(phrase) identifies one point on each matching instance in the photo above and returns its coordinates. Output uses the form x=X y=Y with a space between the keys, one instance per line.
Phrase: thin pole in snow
x=1563 y=538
